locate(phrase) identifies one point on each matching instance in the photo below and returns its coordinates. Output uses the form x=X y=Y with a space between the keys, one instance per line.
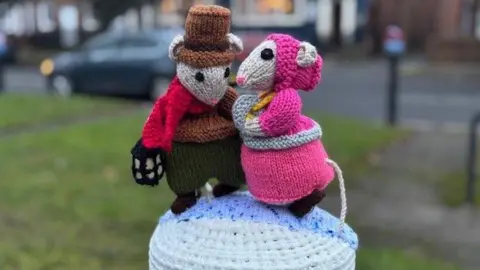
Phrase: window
x=274 y=6
x=45 y=16
x=102 y=42
x=138 y=42
x=172 y=12
x=240 y=6
x=89 y=22
x=177 y=6
x=269 y=12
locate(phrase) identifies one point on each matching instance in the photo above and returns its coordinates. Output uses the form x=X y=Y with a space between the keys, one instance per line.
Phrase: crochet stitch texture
x=238 y=233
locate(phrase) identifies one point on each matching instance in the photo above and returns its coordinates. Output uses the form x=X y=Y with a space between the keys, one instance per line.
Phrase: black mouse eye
x=199 y=77
x=227 y=73
x=266 y=54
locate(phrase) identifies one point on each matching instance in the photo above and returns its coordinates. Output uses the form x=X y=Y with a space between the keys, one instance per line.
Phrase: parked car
x=114 y=63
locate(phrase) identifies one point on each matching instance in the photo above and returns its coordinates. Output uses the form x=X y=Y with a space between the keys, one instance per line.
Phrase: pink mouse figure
x=284 y=160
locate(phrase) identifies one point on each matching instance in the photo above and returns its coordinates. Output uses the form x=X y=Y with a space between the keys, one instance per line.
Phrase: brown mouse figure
x=189 y=135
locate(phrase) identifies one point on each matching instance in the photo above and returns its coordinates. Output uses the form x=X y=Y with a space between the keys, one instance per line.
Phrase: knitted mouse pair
x=201 y=129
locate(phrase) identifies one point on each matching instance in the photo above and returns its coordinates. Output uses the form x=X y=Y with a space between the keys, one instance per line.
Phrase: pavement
x=24 y=79
x=430 y=97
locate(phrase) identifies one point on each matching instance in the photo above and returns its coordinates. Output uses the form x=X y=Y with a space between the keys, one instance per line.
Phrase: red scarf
x=167 y=112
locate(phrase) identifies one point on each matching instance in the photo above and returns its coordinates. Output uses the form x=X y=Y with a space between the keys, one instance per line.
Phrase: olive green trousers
x=190 y=165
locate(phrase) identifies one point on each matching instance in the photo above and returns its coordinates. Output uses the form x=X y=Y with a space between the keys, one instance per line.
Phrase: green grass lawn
x=349 y=140
x=349 y=143
x=67 y=199
x=391 y=259
x=21 y=110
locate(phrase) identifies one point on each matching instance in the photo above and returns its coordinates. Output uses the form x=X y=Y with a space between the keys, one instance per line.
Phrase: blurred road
x=429 y=98
x=24 y=79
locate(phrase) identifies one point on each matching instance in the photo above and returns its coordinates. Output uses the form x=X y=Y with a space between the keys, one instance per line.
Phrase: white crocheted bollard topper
x=238 y=233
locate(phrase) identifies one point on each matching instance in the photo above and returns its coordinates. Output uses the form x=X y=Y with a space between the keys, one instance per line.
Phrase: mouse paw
x=147 y=165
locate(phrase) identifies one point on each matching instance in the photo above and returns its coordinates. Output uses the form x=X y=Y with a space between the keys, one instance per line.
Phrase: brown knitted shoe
x=183 y=202
x=223 y=189
x=304 y=205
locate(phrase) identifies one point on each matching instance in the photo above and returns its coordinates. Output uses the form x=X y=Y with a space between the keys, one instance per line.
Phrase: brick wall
x=442 y=49
x=448 y=18
x=420 y=18
x=447 y=43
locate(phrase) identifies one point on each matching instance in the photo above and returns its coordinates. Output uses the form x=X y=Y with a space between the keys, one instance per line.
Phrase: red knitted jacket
x=167 y=112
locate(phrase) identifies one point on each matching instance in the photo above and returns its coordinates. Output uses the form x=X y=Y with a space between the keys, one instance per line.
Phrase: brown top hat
x=207 y=41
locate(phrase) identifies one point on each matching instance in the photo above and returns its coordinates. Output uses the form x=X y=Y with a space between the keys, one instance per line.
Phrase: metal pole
x=472 y=159
x=392 y=94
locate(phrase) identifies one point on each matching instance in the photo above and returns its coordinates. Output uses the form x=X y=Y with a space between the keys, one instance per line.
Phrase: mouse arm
x=226 y=104
x=166 y=115
x=282 y=113
x=151 y=136
x=147 y=157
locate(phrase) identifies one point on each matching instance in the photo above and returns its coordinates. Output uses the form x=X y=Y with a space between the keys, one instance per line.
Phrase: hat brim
x=203 y=59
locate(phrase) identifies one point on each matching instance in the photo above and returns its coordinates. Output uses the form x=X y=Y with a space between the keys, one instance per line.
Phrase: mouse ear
x=307 y=55
x=235 y=42
x=175 y=46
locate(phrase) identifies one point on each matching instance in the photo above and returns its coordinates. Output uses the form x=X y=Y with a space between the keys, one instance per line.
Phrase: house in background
x=47 y=22
x=31 y=17
x=443 y=29
x=326 y=23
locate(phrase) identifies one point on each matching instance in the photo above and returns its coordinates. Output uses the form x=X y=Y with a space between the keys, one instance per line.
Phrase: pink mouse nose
x=240 y=80
x=213 y=100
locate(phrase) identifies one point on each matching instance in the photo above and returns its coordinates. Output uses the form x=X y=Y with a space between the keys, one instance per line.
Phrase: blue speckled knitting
x=237 y=232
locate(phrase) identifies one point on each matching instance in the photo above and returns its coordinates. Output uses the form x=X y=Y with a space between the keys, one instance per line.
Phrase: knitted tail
x=343 y=196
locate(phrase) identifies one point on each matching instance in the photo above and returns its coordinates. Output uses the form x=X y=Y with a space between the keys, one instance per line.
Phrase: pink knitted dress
x=282 y=156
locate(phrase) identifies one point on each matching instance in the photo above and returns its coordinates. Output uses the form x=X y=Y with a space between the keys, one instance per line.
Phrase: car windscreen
x=152 y=39
x=101 y=41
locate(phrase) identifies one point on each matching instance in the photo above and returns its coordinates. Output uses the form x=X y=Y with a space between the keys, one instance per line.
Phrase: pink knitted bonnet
x=288 y=73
